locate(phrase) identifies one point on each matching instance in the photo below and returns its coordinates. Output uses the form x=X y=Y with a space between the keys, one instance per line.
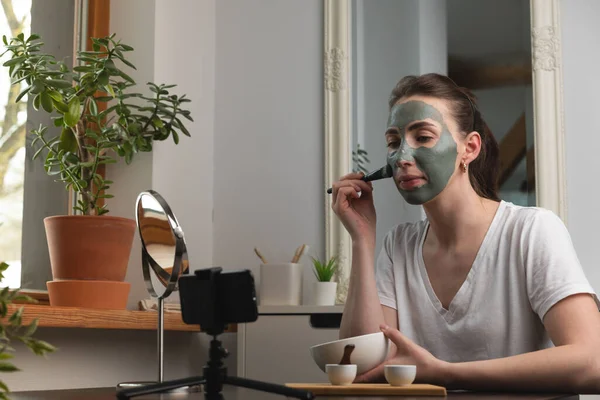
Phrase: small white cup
x=341 y=374
x=400 y=375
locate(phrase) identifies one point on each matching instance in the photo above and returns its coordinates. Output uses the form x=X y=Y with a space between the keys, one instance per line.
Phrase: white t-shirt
x=525 y=265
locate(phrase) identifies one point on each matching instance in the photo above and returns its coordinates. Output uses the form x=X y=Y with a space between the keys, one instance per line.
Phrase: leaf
x=23 y=93
x=72 y=116
x=46 y=101
x=40 y=347
x=93 y=107
x=32 y=37
x=15 y=318
x=59 y=83
x=60 y=106
x=58 y=122
x=55 y=95
x=110 y=90
x=83 y=68
x=103 y=78
x=68 y=143
x=14 y=61
x=7 y=367
x=31 y=328
x=24 y=297
x=36 y=102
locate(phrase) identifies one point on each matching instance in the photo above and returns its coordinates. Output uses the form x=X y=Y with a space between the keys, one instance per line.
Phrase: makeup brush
x=299 y=252
x=260 y=256
x=381 y=173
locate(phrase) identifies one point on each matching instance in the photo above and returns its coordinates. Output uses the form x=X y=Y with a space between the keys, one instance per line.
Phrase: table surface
x=233 y=393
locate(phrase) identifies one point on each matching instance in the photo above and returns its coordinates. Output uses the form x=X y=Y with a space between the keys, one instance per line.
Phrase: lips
x=408 y=182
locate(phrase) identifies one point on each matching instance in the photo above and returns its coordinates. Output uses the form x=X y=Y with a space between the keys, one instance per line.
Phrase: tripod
x=215 y=376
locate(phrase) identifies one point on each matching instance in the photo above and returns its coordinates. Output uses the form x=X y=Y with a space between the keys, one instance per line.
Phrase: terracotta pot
x=89 y=247
x=89 y=294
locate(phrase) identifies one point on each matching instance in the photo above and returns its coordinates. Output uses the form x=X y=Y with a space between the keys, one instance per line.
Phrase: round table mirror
x=164 y=254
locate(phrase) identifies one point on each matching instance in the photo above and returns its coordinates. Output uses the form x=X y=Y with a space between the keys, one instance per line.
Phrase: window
x=27 y=193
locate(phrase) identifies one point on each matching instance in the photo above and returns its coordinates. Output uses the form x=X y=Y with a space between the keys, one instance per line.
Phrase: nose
x=403 y=163
x=404 y=157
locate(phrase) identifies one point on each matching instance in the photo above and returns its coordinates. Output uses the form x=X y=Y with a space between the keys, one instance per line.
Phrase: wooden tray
x=370 y=389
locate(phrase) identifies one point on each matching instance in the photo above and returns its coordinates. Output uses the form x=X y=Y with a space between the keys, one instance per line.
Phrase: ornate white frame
x=548 y=116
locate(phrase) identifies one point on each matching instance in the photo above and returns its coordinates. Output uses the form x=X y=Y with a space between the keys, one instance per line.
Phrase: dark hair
x=485 y=169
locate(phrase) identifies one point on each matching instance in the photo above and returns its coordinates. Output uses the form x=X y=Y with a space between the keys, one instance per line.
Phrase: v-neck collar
x=457 y=306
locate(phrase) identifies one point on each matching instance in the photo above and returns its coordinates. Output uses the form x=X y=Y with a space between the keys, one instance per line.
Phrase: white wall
x=580 y=33
x=130 y=180
x=268 y=174
x=183 y=173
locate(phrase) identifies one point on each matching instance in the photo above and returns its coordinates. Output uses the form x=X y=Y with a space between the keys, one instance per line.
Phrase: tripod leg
x=269 y=387
x=159 y=387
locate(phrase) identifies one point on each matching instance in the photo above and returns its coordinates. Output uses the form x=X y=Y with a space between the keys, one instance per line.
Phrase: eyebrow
x=412 y=126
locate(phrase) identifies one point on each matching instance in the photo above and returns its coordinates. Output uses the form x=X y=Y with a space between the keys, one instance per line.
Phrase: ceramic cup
x=400 y=375
x=370 y=351
x=341 y=374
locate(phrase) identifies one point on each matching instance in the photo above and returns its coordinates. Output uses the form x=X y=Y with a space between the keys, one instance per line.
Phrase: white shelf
x=308 y=309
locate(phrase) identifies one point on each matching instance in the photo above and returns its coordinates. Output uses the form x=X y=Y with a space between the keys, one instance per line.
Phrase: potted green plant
x=324 y=290
x=13 y=330
x=98 y=119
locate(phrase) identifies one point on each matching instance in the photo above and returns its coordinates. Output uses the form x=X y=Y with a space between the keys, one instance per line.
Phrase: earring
x=464 y=166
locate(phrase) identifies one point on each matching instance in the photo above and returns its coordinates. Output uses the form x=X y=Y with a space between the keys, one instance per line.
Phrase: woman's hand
x=429 y=369
x=356 y=211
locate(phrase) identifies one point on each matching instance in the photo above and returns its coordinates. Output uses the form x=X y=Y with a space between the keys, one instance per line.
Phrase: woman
x=481 y=295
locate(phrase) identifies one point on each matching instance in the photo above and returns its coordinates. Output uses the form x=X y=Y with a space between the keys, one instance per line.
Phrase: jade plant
x=12 y=329
x=324 y=271
x=97 y=117
x=360 y=159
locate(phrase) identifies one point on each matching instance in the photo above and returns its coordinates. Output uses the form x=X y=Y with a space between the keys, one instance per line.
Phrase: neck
x=459 y=214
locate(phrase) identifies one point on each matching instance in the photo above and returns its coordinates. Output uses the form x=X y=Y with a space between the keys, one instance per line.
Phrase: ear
x=472 y=144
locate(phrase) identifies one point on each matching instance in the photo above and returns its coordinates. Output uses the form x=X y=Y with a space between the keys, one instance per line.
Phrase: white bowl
x=369 y=351
x=400 y=375
x=341 y=374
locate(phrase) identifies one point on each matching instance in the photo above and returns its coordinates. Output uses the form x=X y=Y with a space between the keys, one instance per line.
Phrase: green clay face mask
x=437 y=163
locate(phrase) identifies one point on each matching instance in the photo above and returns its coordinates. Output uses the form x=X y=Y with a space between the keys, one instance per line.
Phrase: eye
x=393 y=144
x=424 y=139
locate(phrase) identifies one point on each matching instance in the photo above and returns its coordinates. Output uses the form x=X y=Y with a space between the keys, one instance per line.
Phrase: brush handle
x=299 y=252
x=381 y=173
x=260 y=256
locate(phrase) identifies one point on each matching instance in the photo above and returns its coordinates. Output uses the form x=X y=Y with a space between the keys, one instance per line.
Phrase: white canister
x=324 y=293
x=281 y=284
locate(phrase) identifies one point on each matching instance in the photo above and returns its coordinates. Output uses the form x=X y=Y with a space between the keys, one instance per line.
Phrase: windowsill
x=72 y=317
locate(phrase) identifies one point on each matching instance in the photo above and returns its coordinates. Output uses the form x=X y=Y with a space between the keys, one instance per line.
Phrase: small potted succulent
x=12 y=329
x=324 y=290
x=97 y=120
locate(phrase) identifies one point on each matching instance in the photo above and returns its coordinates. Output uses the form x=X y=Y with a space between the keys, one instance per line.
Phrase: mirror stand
x=164 y=260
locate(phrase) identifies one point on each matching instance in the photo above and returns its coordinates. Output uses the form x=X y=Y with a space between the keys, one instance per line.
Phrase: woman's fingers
x=352 y=175
x=372 y=376
x=343 y=193
x=356 y=185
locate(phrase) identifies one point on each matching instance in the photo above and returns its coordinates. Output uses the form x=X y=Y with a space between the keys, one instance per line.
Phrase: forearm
x=568 y=368
x=362 y=313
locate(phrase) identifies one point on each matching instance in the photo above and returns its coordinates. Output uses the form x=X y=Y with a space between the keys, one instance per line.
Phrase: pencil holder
x=280 y=284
